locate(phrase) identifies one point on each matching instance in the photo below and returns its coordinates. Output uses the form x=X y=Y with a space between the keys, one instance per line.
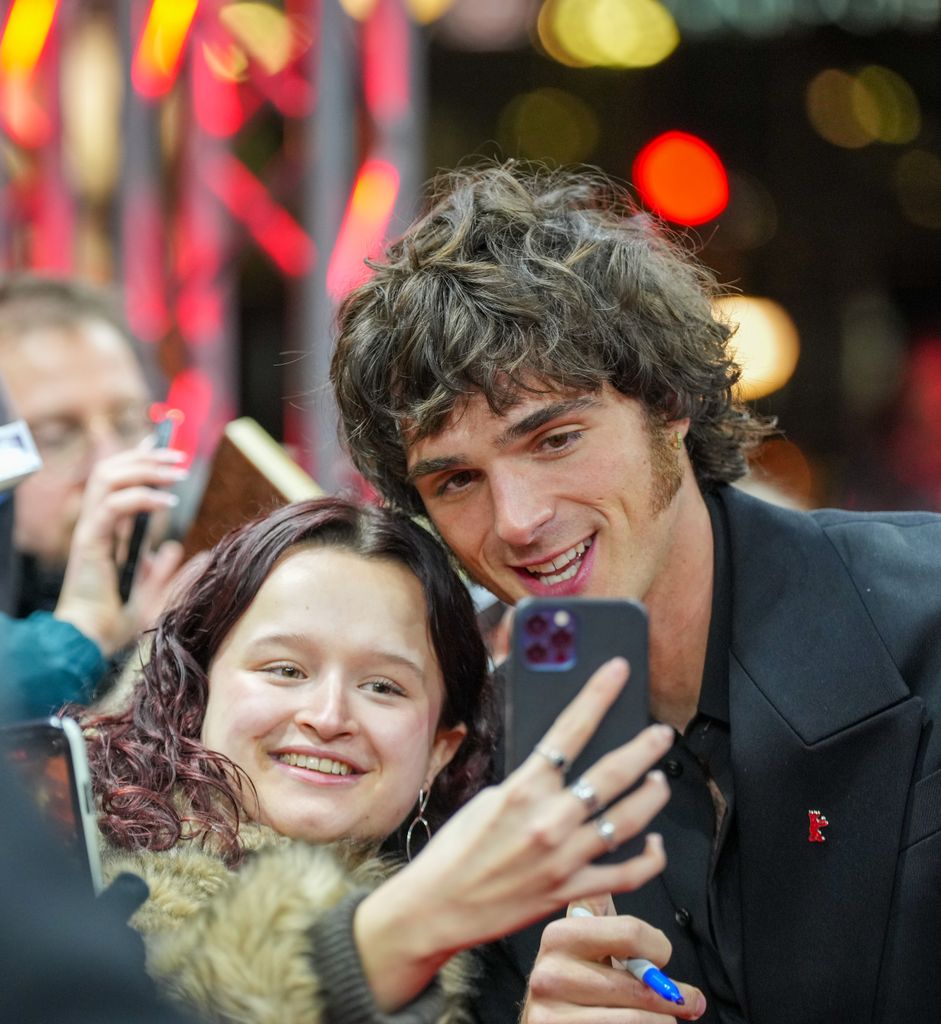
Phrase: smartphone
x=49 y=757
x=163 y=431
x=554 y=647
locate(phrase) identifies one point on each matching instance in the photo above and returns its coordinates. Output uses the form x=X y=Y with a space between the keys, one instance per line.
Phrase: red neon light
x=160 y=50
x=217 y=103
x=272 y=227
x=682 y=178
x=191 y=393
x=364 y=225
x=25 y=34
x=386 y=60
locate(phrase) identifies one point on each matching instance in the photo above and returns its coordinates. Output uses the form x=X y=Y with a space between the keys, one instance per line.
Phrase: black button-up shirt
x=698 y=824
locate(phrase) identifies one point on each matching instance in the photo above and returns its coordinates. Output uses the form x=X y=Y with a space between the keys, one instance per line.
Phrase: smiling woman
x=318 y=690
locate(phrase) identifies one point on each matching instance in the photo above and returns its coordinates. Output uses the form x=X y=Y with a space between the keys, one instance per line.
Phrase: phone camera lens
x=561 y=638
x=537 y=654
x=537 y=625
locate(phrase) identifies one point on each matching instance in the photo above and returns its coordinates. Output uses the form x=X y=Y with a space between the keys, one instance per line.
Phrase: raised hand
x=518 y=851
x=118 y=488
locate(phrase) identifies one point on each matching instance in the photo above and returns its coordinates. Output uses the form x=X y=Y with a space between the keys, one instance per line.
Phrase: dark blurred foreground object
x=67 y=957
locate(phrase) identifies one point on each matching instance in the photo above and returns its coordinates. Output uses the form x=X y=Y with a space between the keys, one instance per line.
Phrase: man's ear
x=446 y=744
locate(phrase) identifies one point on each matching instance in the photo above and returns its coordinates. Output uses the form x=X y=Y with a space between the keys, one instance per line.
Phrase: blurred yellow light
x=25 y=35
x=360 y=10
x=918 y=184
x=632 y=33
x=427 y=11
x=608 y=33
x=92 y=97
x=229 y=63
x=264 y=31
x=833 y=99
x=765 y=345
x=548 y=124
x=561 y=30
x=885 y=105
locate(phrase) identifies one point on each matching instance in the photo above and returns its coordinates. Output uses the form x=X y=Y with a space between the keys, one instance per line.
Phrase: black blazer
x=834 y=686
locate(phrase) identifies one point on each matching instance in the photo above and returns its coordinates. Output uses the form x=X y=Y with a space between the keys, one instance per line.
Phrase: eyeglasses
x=65 y=442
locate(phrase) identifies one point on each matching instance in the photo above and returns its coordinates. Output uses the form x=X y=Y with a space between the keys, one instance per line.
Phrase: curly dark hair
x=521 y=279
x=155 y=781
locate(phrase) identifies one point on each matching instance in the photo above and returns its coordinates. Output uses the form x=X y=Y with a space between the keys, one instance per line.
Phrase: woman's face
x=327 y=693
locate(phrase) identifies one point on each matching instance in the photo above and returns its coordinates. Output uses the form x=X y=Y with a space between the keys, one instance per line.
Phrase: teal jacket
x=44 y=663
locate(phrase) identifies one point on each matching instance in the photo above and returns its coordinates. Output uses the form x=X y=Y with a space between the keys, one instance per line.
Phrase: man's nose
x=520 y=508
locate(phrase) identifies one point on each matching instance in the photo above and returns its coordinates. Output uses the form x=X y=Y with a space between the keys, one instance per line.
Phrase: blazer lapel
x=821 y=724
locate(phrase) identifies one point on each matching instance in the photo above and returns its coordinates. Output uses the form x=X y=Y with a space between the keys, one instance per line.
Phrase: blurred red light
x=682 y=178
x=191 y=393
x=272 y=227
x=364 y=225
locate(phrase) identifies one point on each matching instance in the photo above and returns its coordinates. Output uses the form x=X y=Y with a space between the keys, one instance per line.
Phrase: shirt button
x=683 y=917
x=673 y=768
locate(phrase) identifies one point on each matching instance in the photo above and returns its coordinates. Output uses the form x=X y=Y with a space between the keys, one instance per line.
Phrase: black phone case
x=604 y=628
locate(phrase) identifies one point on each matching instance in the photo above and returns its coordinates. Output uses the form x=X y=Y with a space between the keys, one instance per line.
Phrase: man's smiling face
x=564 y=494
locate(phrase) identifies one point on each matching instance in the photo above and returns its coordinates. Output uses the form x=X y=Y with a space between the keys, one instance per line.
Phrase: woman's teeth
x=562 y=567
x=316 y=764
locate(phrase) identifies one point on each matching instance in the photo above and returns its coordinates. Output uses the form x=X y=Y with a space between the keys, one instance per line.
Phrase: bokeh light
x=765 y=343
x=427 y=11
x=262 y=31
x=92 y=96
x=487 y=24
x=548 y=124
x=855 y=110
x=682 y=178
x=607 y=33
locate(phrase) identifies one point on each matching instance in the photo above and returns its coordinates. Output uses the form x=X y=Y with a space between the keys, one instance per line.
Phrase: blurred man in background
x=72 y=373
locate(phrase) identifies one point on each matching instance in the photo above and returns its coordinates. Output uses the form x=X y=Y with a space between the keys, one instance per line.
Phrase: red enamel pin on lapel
x=817 y=823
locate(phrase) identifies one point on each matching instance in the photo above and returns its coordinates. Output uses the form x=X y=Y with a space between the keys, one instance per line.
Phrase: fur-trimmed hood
x=235 y=945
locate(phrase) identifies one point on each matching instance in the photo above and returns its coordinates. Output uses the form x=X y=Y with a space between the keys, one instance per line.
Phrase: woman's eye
x=385 y=687
x=284 y=671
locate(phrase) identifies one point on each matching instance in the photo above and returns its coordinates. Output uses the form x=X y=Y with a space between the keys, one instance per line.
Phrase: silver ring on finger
x=584 y=791
x=606 y=830
x=556 y=758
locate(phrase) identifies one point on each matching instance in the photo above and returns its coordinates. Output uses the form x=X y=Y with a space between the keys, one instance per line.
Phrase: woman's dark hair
x=155 y=781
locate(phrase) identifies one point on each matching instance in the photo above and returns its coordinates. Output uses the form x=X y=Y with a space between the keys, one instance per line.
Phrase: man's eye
x=559 y=442
x=456 y=482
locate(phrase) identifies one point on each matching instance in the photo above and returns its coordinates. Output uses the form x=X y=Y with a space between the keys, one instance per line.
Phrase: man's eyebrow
x=428 y=467
x=540 y=417
x=529 y=423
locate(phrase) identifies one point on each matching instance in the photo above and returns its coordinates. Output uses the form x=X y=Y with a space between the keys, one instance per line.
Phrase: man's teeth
x=316 y=764
x=562 y=567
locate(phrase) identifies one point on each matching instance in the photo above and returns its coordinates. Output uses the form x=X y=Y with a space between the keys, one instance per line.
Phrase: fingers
x=574 y=971
x=577 y=723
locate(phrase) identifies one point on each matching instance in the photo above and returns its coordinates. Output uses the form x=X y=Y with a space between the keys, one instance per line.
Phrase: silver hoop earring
x=419 y=820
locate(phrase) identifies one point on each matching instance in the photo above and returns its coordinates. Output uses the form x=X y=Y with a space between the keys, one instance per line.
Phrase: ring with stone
x=556 y=758
x=583 y=790
x=606 y=830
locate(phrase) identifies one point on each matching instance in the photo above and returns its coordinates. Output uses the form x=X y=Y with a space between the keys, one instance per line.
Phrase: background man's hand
x=120 y=487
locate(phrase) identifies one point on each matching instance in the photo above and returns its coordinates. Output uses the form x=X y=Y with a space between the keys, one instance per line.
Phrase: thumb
x=599 y=905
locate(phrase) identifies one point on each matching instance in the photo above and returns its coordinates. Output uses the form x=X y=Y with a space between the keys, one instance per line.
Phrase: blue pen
x=643 y=970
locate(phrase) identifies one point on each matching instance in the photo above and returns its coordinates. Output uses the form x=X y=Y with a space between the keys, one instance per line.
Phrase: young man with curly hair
x=538 y=368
